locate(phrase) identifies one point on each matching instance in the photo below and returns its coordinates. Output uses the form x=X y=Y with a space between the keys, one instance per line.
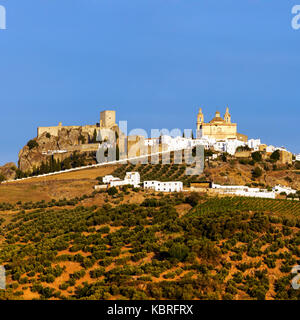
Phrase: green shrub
x=178 y=251
x=32 y=144
x=112 y=191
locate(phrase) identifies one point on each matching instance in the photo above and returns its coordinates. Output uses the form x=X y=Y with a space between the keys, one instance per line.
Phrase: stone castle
x=107 y=121
x=218 y=128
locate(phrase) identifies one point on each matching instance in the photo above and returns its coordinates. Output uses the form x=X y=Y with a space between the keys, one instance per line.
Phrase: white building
x=171 y=186
x=108 y=179
x=218 y=186
x=180 y=143
x=270 y=149
x=131 y=178
x=297 y=157
x=207 y=142
x=50 y=152
x=228 y=145
x=244 y=191
x=219 y=146
x=232 y=144
x=254 y=144
x=175 y=143
x=278 y=189
x=151 y=142
x=260 y=194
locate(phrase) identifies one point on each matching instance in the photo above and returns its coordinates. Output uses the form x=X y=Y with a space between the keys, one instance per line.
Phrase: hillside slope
x=71 y=184
x=144 y=245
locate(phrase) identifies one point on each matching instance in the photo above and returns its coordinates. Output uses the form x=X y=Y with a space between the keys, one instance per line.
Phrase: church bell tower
x=227 y=116
x=200 y=119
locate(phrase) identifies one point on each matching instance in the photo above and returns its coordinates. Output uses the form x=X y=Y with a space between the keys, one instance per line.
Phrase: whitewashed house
x=232 y=144
x=297 y=157
x=180 y=143
x=259 y=194
x=117 y=183
x=171 y=186
x=244 y=191
x=151 y=142
x=131 y=178
x=228 y=145
x=176 y=143
x=278 y=189
x=219 y=146
x=254 y=144
x=109 y=178
x=270 y=149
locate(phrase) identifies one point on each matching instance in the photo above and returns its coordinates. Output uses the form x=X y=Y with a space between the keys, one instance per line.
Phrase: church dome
x=217 y=118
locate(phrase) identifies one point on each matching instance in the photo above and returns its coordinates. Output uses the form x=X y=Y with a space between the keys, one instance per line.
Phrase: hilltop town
x=62 y=148
x=144 y=230
x=219 y=134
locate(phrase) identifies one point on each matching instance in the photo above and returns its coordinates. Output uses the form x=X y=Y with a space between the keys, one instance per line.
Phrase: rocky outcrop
x=34 y=153
x=8 y=171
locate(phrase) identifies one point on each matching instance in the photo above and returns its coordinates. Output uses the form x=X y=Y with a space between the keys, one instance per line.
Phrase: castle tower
x=227 y=116
x=200 y=119
x=107 y=118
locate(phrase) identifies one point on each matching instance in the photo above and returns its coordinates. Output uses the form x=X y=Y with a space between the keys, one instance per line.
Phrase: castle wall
x=55 y=130
x=52 y=130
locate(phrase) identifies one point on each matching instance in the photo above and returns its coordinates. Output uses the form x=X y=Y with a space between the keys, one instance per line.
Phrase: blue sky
x=154 y=61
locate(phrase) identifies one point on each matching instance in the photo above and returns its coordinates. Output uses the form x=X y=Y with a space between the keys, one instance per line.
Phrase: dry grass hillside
x=240 y=174
x=73 y=184
x=66 y=185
